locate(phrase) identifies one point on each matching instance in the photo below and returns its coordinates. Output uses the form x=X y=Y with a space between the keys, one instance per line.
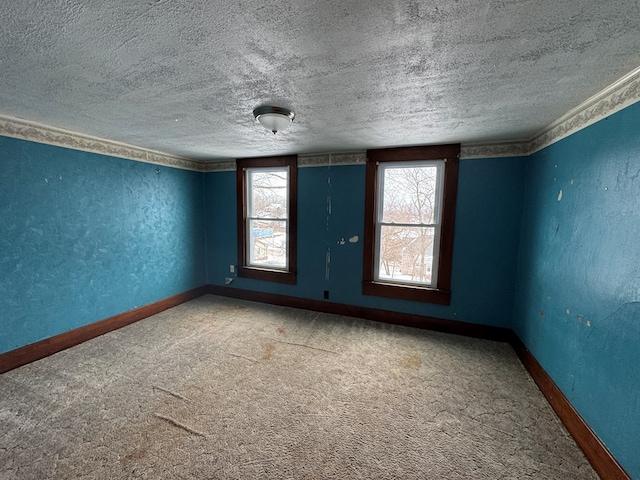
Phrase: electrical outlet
x=232 y=268
x=326 y=294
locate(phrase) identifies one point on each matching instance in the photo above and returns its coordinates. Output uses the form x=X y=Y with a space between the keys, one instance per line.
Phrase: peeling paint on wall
x=592 y=265
x=326 y=264
x=353 y=239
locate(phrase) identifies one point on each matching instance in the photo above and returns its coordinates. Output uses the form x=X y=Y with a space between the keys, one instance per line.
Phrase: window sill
x=407 y=292
x=265 y=274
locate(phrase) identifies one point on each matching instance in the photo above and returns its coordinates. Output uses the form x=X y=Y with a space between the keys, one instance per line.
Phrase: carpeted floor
x=221 y=388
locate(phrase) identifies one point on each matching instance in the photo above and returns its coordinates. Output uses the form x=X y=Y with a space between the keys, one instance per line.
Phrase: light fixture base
x=274 y=119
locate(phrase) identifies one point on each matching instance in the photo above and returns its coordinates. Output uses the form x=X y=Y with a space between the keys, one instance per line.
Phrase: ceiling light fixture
x=274 y=119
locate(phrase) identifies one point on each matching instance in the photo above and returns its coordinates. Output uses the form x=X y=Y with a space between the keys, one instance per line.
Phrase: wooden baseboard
x=600 y=458
x=384 y=316
x=35 y=351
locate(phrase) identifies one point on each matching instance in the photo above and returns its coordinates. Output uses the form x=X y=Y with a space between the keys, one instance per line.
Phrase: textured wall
x=87 y=236
x=485 y=247
x=578 y=297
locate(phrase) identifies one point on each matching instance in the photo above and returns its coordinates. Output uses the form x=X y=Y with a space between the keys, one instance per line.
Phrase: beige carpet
x=219 y=388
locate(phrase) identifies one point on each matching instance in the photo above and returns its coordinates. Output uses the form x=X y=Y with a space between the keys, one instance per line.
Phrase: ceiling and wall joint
x=617 y=96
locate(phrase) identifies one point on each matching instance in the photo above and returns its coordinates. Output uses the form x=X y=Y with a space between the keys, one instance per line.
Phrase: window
x=409 y=220
x=267 y=218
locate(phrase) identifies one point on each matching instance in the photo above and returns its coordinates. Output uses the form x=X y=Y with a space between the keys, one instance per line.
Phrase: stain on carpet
x=137 y=454
x=411 y=362
x=269 y=348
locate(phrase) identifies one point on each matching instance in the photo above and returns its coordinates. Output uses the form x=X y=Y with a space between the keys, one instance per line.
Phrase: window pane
x=406 y=254
x=268 y=243
x=268 y=193
x=409 y=194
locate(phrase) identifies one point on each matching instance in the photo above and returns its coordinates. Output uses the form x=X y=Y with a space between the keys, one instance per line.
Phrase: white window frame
x=249 y=244
x=437 y=219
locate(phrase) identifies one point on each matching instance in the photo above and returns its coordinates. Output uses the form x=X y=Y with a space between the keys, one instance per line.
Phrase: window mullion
x=417 y=225
x=269 y=219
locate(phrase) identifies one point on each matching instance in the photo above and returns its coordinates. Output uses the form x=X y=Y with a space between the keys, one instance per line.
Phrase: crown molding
x=617 y=96
x=219 y=166
x=35 y=132
x=493 y=150
x=332 y=159
x=304 y=160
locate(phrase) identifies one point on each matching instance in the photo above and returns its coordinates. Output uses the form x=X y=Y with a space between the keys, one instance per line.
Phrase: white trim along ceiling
x=617 y=96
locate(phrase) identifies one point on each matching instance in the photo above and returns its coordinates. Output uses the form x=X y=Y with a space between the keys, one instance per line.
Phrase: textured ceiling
x=182 y=77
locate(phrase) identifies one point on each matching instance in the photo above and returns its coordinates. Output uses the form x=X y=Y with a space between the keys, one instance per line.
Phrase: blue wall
x=578 y=298
x=87 y=236
x=485 y=246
